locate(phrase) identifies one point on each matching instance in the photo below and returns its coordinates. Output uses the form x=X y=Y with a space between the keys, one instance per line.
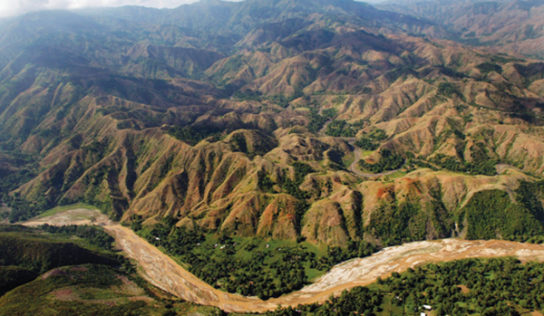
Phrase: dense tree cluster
x=481 y=163
x=388 y=161
x=354 y=249
x=261 y=273
x=449 y=89
x=340 y=128
x=488 y=67
x=192 y=135
x=371 y=141
x=491 y=214
x=394 y=224
x=502 y=286
x=245 y=266
x=317 y=121
x=22 y=209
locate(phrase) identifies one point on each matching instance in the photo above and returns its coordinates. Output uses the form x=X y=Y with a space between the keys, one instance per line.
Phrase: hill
x=326 y=121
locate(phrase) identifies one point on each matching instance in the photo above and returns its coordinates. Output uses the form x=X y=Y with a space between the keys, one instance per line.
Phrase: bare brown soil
x=163 y=272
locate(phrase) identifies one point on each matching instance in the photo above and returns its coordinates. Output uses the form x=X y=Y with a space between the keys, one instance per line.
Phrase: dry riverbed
x=163 y=272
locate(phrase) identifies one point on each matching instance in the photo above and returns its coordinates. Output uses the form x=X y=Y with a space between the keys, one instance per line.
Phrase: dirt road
x=165 y=273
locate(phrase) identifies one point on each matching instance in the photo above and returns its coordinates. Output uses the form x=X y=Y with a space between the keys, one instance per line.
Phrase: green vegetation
x=371 y=140
x=62 y=208
x=9 y=179
x=354 y=249
x=491 y=214
x=340 y=128
x=530 y=195
x=100 y=283
x=292 y=186
x=27 y=252
x=480 y=165
x=388 y=161
x=317 y=121
x=284 y=181
x=502 y=286
x=249 y=266
x=394 y=225
x=488 y=67
x=448 y=89
x=22 y=209
x=13 y=276
x=42 y=253
x=90 y=290
x=192 y=135
x=93 y=235
x=264 y=182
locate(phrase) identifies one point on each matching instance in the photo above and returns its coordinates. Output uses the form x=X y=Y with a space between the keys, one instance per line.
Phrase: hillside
x=26 y=253
x=325 y=121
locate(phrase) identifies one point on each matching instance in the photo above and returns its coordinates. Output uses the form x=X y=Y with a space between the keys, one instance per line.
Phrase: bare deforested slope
x=313 y=127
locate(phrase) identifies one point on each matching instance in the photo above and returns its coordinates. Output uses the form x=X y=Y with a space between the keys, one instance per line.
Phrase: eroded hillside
x=321 y=124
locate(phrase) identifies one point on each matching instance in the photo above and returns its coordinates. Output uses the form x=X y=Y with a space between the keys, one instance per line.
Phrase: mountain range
x=327 y=120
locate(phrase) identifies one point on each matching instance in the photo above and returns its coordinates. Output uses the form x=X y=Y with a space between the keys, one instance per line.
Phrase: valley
x=258 y=153
x=163 y=272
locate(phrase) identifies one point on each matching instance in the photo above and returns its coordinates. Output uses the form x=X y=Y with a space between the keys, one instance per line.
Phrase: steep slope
x=319 y=121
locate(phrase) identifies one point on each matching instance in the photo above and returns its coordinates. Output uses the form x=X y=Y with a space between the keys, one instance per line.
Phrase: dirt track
x=165 y=273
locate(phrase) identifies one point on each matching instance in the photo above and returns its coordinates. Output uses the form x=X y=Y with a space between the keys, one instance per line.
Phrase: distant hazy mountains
x=515 y=26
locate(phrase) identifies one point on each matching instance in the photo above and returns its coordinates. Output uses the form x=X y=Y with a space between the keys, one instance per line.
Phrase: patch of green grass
x=64 y=208
x=395 y=175
x=348 y=159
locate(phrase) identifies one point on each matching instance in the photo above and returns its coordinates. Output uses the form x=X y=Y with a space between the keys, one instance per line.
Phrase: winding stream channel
x=163 y=272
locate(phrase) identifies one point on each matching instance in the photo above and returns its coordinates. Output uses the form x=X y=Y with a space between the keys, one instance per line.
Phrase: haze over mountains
x=514 y=26
x=250 y=118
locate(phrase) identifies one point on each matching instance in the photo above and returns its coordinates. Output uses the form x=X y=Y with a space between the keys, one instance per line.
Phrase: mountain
x=512 y=26
x=321 y=120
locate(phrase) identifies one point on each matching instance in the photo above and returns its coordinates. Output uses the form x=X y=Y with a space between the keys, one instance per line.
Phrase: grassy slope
x=92 y=290
x=84 y=280
x=84 y=290
x=28 y=252
x=63 y=208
